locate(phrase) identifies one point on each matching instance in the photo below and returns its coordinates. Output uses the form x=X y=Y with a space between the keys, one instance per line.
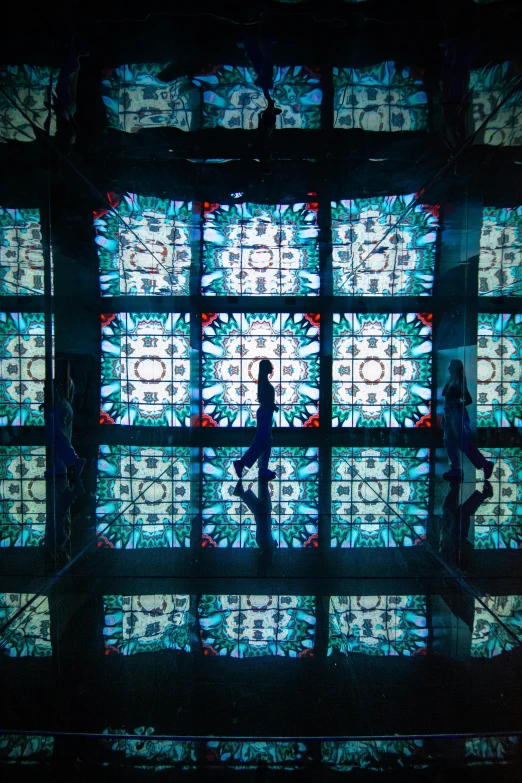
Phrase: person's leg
x=450 y=438
x=468 y=447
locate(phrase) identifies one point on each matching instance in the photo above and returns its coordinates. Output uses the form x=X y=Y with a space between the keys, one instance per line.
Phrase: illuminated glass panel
x=380 y=97
x=146 y=623
x=29 y=634
x=25 y=748
x=147 y=491
x=238 y=754
x=492 y=749
x=234 y=344
x=490 y=86
x=373 y=754
x=253 y=249
x=145 y=369
x=500 y=260
x=499 y=355
x=21 y=255
x=381 y=370
x=379 y=496
x=144 y=247
x=247 y=626
x=231 y=99
x=152 y=753
x=29 y=88
x=22 y=368
x=498 y=521
x=22 y=495
x=402 y=265
x=490 y=637
x=290 y=500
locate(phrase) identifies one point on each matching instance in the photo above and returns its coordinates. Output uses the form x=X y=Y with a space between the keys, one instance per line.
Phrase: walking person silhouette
x=261 y=446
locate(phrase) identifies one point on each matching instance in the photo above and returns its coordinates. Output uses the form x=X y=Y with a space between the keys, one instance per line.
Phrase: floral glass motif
x=29 y=634
x=347 y=755
x=21 y=255
x=379 y=496
x=22 y=368
x=490 y=85
x=25 y=748
x=490 y=637
x=144 y=246
x=234 y=344
x=146 y=623
x=29 y=88
x=145 y=369
x=151 y=754
x=378 y=624
x=499 y=362
x=381 y=370
x=231 y=99
x=290 y=500
x=404 y=262
x=245 y=755
x=254 y=249
x=380 y=97
x=22 y=495
x=146 y=491
x=500 y=260
x=498 y=521
x=247 y=626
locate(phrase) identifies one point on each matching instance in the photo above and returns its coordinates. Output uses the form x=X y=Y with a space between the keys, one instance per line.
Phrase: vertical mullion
x=325 y=368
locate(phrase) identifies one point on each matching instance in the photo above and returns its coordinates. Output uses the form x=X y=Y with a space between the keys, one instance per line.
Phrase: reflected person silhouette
x=456 y=519
x=261 y=507
x=261 y=446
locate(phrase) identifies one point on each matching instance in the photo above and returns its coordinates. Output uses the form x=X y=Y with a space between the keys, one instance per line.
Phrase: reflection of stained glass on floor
x=348 y=755
x=378 y=624
x=493 y=749
x=246 y=626
x=381 y=370
x=147 y=491
x=404 y=261
x=233 y=345
x=498 y=523
x=380 y=97
x=145 y=369
x=489 y=86
x=290 y=501
x=22 y=368
x=499 y=355
x=255 y=249
x=237 y=754
x=25 y=749
x=21 y=255
x=22 y=495
x=380 y=496
x=28 y=88
x=29 y=633
x=146 y=623
x=500 y=260
x=491 y=636
x=144 y=246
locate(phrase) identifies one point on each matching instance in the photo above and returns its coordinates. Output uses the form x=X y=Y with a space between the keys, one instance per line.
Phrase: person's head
x=456 y=369
x=265 y=369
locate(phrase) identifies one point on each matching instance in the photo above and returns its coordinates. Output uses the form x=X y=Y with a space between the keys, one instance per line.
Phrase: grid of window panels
x=28 y=88
x=146 y=623
x=22 y=495
x=22 y=368
x=498 y=521
x=21 y=255
x=490 y=85
x=29 y=633
x=499 y=361
x=490 y=635
x=500 y=260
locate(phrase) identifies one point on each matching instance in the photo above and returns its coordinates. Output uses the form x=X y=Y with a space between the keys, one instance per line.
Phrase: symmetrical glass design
x=247 y=626
x=490 y=85
x=378 y=624
x=499 y=355
x=143 y=497
x=380 y=97
x=289 y=501
x=379 y=496
x=345 y=756
x=144 y=246
x=22 y=368
x=29 y=634
x=490 y=636
x=498 y=521
x=21 y=255
x=248 y=755
x=30 y=88
x=234 y=344
x=22 y=495
x=401 y=265
x=146 y=623
x=152 y=754
x=381 y=370
x=255 y=249
x=500 y=260
x=145 y=369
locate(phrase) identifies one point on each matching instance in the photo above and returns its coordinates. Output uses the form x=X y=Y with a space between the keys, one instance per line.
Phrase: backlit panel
x=146 y=623
x=499 y=355
x=22 y=495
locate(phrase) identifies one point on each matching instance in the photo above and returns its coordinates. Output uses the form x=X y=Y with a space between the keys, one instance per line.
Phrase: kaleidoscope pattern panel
x=372 y=258
x=22 y=495
x=250 y=626
x=27 y=91
x=500 y=260
x=231 y=98
x=145 y=369
x=258 y=250
x=22 y=368
x=143 y=498
x=378 y=624
x=381 y=370
x=248 y=755
x=499 y=355
x=348 y=755
x=25 y=748
x=29 y=634
x=491 y=636
x=21 y=254
x=498 y=521
x=144 y=246
x=379 y=496
x=152 y=754
x=234 y=344
x=490 y=86
x=287 y=505
x=146 y=623
x=381 y=97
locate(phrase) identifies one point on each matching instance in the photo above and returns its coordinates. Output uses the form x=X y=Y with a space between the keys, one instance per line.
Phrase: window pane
x=490 y=637
x=29 y=87
x=345 y=756
x=26 y=748
x=499 y=354
x=21 y=255
x=29 y=634
x=500 y=261
x=498 y=521
x=22 y=495
x=22 y=368
x=146 y=623
x=490 y=86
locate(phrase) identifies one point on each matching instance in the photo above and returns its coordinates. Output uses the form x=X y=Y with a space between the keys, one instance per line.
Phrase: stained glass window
x=145 y=369
x=25 y=748
x=147 y=491
x=373 y=754
x=499 y=355
x=490 y=85
x=152 y=753
x=247 y=626
x=380 y=97
x=492 y=749
x=22 y=368
x=29 y=88
x=490 y=637
x=379 y=496
x=233 y=345
x=29 y=633
x=498 y=521
x=500 y=261
x=404 y=262
x=22 y=495
x=254 y=249
x=146 y=623
x=381 y=370
x=21 y=256
x=238 y=754
x=290 y=501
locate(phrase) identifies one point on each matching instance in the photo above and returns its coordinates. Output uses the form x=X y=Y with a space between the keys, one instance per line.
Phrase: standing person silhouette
x=262 y=443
